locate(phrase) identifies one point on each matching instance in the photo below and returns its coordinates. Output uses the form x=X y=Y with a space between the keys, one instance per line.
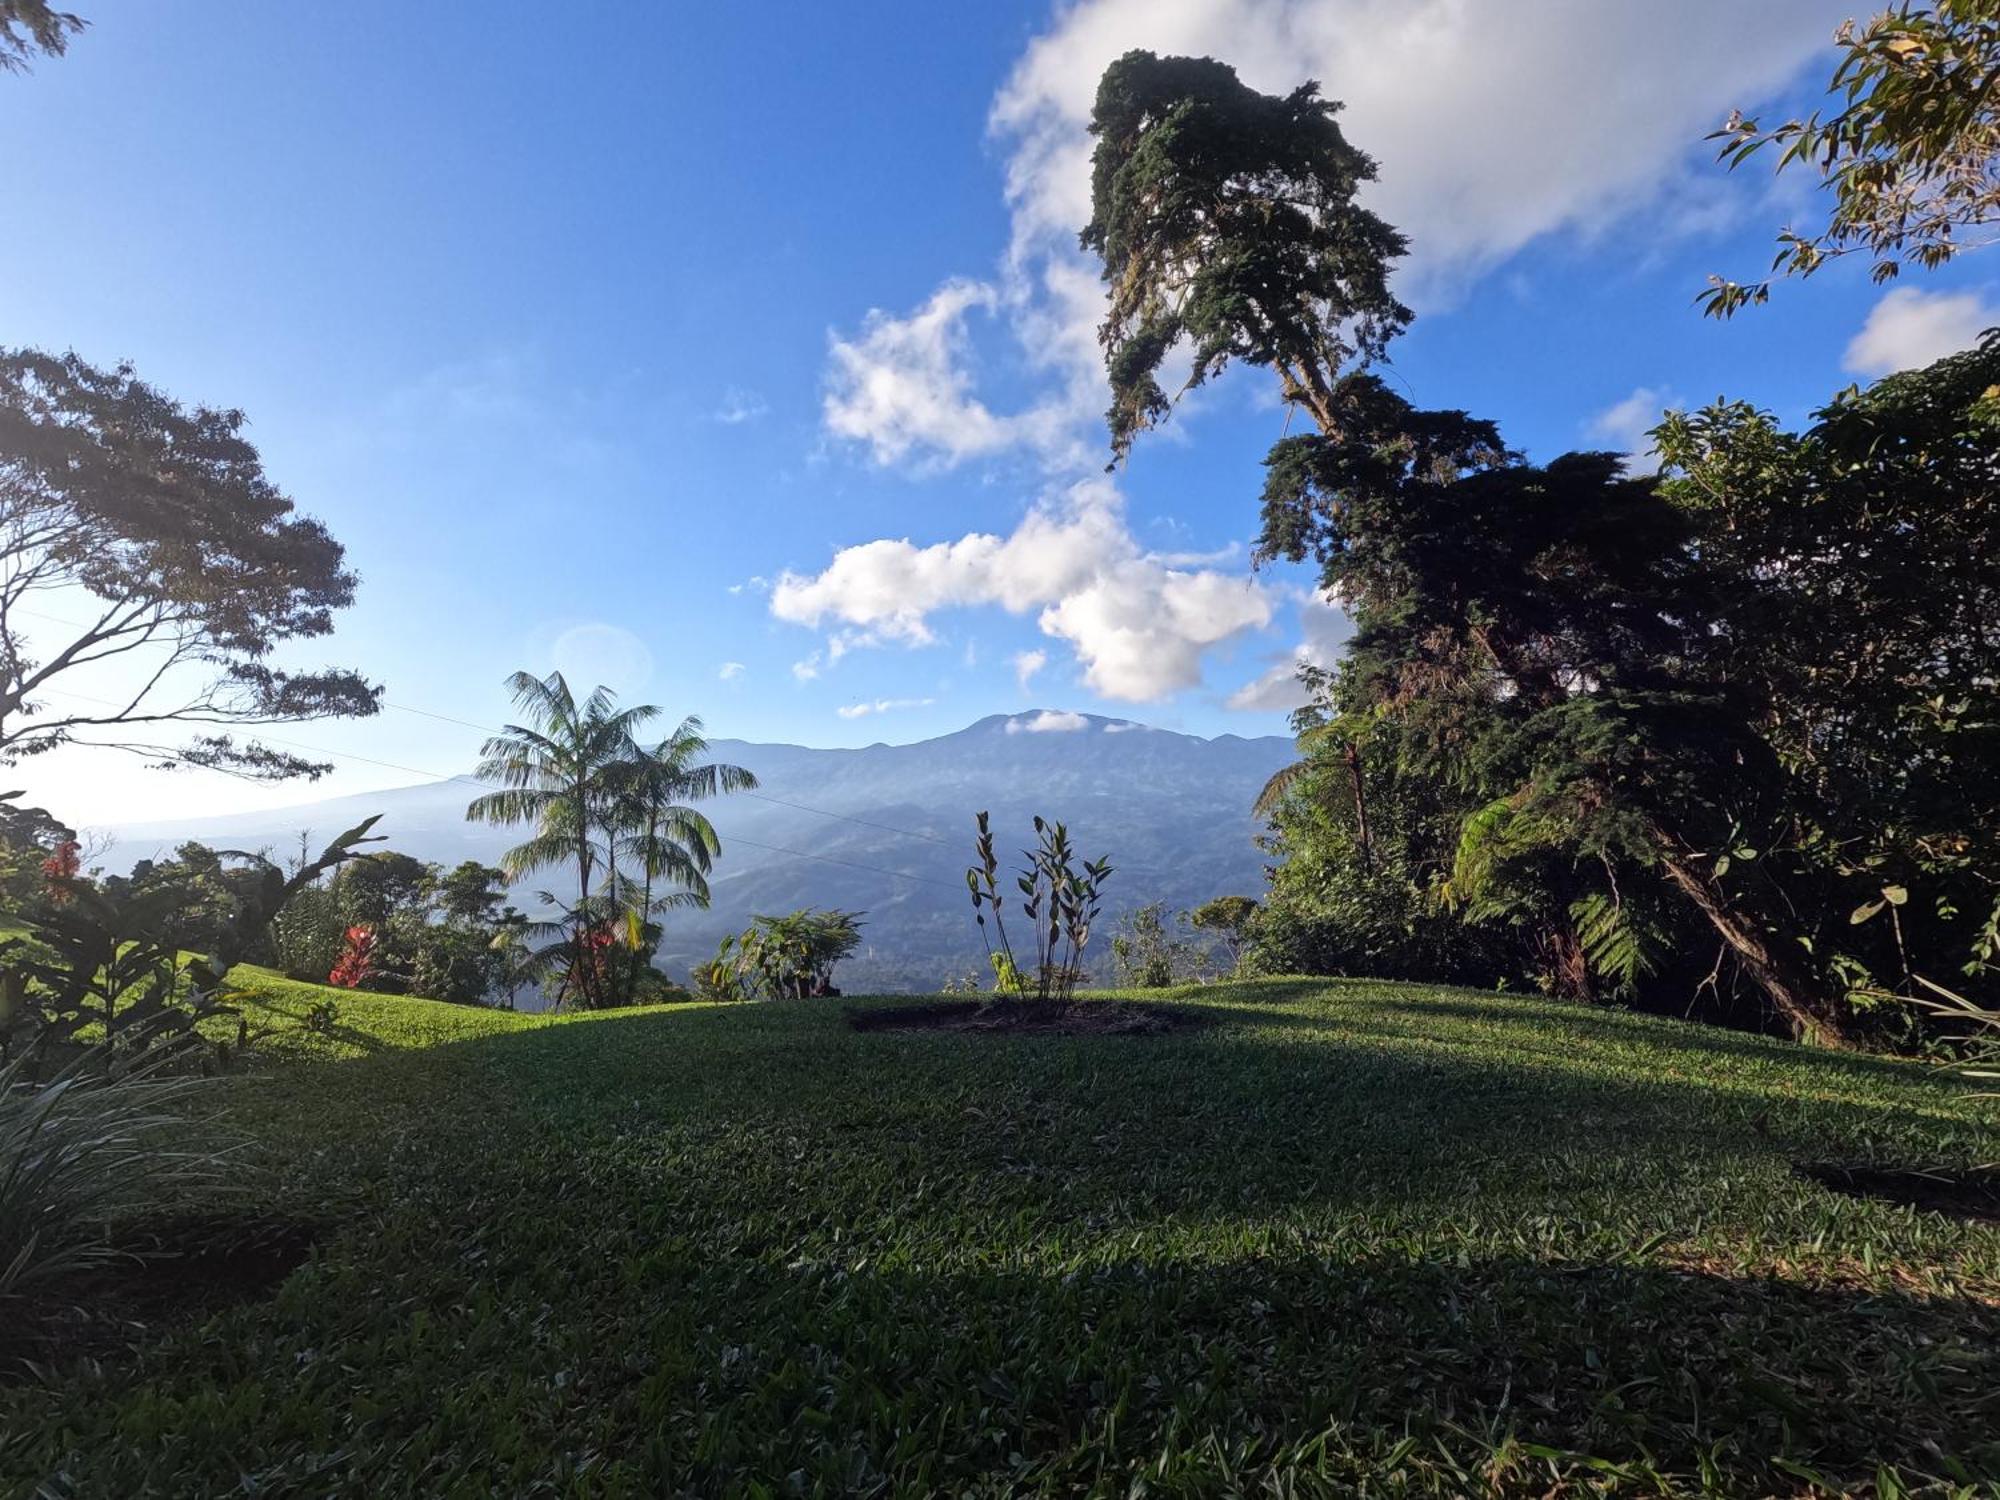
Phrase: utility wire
x=405 y=708
x=734 y=838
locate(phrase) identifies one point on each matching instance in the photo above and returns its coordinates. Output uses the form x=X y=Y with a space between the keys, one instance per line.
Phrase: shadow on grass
x=739 y=1245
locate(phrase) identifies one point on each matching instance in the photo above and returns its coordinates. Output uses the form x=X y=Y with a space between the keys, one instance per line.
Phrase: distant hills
x=1171 y=811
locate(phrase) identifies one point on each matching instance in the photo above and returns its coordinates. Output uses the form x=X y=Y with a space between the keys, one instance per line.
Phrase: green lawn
x=1348 y=1238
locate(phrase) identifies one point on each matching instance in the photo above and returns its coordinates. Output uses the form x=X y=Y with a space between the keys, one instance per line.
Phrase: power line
x=823 y=812
x=735 y=838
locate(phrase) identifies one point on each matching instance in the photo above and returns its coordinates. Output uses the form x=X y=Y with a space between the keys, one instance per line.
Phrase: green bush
x=77 y=1149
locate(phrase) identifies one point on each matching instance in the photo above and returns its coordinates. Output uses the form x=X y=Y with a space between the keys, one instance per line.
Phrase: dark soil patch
x=1960 y=1195
x=195 y=1264
x=174 y=1269
x=1030 y=1018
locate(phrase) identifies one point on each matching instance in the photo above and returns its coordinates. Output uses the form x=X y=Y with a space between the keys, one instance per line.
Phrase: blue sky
x=740 y=356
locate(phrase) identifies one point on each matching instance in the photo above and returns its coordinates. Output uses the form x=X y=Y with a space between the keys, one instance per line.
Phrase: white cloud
x=1048 y=721
x=881 y=706
x=1623 y=426
x=1139 y=627
x=808 y=668
x=1909 y=328
x=1494 y=126
x=756 y=583
x=1027 y=664
x=739 y=406
x=902 y=386
x=729 y=671
x=1324 y=629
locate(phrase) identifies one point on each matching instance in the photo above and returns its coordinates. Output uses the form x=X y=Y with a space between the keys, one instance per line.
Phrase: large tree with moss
x=1587 y=694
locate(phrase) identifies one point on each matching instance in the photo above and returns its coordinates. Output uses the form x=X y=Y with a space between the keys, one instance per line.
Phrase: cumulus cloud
x=1493 y=126
x=1623 y=426
x=1323 y=629
x=1910 y=328
x=1138 y=627
x=729 y=671
x=881 y=706
x=1048 y=721
x=903 y=386
x=1027 y=664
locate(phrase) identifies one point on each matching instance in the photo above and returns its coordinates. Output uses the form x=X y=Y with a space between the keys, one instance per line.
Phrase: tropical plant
x=1146 y=953
x=1059 y=899
x=672 y=844
x=565 y=772
x=76 y=1149
x=356 y=964
x=789 y=957
x=105 y=970
x=1910 y=156
x=161 y=520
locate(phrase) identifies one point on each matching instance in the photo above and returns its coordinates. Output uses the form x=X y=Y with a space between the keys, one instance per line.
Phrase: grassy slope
x=1352 y=1234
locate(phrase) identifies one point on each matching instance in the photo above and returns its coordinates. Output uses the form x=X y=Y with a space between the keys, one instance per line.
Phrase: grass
x=1349 y=1238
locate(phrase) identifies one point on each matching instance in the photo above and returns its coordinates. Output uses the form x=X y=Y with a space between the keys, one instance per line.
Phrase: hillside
x=1346 y=1236
x=1172 y=811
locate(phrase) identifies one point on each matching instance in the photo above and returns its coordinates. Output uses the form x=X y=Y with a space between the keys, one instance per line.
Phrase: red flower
x=356 y=964
x=61 y=868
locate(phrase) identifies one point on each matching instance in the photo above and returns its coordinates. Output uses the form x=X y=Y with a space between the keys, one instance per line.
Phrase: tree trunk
x=1814 y=1015
x=1360 y=808
x=1569 y=965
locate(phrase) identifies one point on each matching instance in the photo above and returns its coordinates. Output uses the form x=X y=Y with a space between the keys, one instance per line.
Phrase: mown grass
x=1346 y=1238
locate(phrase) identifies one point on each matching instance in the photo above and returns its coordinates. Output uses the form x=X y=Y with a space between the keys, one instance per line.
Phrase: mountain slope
x=1171 y=812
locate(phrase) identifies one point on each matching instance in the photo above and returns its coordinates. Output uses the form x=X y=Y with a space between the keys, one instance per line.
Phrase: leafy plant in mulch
x=1059 y=900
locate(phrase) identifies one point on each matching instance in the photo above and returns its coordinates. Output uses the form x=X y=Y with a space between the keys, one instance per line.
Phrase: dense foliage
x=1594 y=728
x=789 y=957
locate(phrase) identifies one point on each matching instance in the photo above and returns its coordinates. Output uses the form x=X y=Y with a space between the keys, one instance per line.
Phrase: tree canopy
x=1910 y=155
x=156 y=522
x=1588 y=718
x=1226 y=223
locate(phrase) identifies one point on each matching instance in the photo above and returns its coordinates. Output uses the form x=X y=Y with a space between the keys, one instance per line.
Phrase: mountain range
x=884 y=829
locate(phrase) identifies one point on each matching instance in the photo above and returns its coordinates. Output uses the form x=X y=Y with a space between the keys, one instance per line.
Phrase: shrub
x=1146 y=953
x=1058 y=899
x=791 y=957
x=76 y=1149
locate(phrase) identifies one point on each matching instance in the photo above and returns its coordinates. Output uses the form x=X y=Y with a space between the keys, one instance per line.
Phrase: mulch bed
x=1029 y=1018
x=1961 y=1195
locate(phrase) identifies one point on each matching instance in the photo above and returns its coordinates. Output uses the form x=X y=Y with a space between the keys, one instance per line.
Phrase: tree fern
x=1618 y=939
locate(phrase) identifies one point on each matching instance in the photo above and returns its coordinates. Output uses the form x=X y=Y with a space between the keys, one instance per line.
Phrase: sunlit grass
x=1346 y=1235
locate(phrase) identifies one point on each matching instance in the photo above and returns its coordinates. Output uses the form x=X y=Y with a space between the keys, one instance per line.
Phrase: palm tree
x=563 y=771
x=672 y=843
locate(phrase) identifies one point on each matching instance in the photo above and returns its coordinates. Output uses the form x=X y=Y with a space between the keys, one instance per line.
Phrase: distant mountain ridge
x=885 y=829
